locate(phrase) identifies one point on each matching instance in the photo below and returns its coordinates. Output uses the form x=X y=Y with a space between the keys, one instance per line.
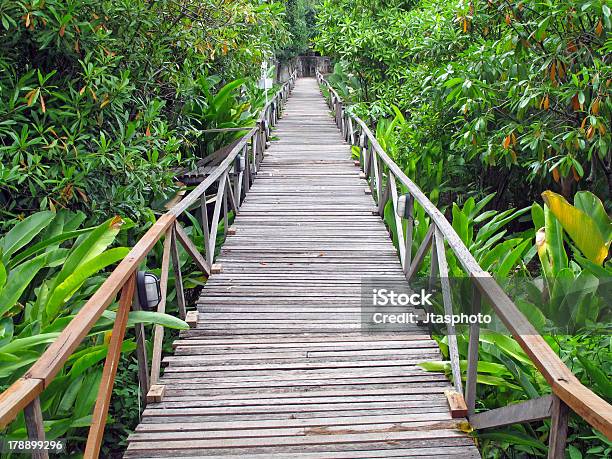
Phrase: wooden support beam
x=178 y=277
x=527 y=411
x=35 y=427
x=191 y=249
x=558 y=429
x=98 y=422
x=158 y=330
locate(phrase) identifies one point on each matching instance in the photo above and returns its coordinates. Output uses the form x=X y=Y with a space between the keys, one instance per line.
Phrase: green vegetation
x=500 y=111
x=100 y=103
x=487 y=106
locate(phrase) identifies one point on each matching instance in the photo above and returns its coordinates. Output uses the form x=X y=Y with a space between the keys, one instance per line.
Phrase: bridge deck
x=277 y=366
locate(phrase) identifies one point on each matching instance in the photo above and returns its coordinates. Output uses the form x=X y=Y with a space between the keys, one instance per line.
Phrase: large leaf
x=581 y=227
x=150 y=317
x=66 y=289
x=224 y=93
x=17 y=281
x=23 y=232
x=593 y=207
x=24 y=343
x=89 y=247
x=553 y=232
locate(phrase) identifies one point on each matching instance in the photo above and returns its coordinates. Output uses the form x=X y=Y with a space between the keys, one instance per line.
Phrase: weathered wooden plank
x=276 y=363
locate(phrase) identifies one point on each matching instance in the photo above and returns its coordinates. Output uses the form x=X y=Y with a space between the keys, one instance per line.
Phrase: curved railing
x=567 y=391
x=233 y=177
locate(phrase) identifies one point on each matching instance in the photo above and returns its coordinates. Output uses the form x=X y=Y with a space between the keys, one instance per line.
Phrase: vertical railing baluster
x=158 y=330
x=35 y=427
x=141 y=356
x=178 y=277
x=472 y=363
x=98 y=421
x=409 y=215
x=205 y=228
x=557 y=438
x=442 y=268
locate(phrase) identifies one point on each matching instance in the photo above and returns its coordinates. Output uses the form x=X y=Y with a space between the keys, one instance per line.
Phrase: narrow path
x=277 y=366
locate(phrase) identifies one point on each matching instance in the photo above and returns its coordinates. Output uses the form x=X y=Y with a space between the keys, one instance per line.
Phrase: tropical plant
x=50 y=266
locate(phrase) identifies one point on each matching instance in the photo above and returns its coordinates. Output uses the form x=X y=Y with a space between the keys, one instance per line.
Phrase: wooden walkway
x=277 y=366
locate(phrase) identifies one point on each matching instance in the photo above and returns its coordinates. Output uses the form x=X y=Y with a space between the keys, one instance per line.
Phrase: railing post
x=158 y=330
x=98 y=422
x=472 y=363
x=557 y=437
x=178 y=277
x=141 y=356
x=35 y=427
x=409 y=230
x=205 y=228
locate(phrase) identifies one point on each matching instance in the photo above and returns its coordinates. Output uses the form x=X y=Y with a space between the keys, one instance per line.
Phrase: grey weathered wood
x=215 y=218
x=421 y=253
x=141 y=356
x=277 y=363
x=205 y=228
x=158 y=330
x=558 y=429
x=191 y=249
x=35 y=427
x=528 y=411
x=453 y=349
x=472 y=364
x=178 y=277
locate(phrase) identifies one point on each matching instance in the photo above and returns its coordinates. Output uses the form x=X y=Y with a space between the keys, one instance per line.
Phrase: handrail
x=564 y=384
x=24 y=393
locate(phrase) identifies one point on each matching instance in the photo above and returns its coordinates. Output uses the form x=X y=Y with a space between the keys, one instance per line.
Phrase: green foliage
x=50 y=266
x=513 y=98
x=516 y=95
x=100 y=100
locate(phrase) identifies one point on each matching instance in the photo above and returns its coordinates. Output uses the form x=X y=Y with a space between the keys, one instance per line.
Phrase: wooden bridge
x=276 y=364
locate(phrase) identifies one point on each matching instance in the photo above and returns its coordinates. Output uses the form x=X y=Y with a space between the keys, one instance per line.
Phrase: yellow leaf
x=42 y=104
x=464 y=426
x=580 y=227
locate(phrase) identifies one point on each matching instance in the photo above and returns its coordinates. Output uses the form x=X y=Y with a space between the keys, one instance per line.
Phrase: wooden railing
x=384 y=177
x=233 y=177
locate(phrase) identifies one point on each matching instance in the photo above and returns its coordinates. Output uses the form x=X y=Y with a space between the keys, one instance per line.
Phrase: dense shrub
x=93 y=110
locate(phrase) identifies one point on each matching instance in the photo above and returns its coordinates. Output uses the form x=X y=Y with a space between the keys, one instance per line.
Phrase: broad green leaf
x=73 y=282
x=2 y=275
x=47 y=243
x=24 y=343
x=514 y=438
x=89 y=247
x=23 y=232
x=583 y=230
x=597 y=375
x=150 y=317
x=17 y=281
